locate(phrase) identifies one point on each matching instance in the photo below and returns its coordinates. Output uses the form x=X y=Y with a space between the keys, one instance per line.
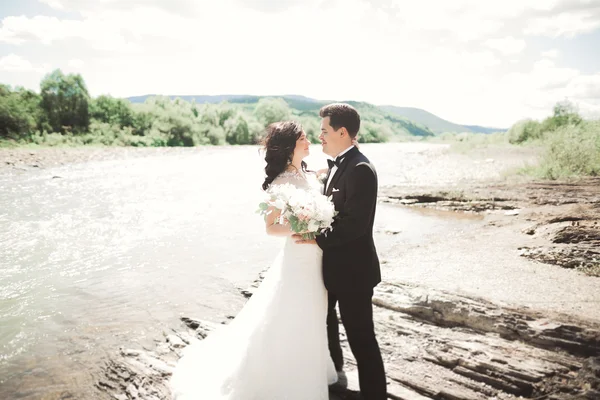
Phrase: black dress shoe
x=342 y=383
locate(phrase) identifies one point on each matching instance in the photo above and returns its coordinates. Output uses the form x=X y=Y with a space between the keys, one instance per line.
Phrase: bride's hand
x=277 y=226
x=355 y=142
x=298 y=238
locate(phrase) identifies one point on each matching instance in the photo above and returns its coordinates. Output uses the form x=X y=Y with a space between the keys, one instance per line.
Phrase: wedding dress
x=276 y=347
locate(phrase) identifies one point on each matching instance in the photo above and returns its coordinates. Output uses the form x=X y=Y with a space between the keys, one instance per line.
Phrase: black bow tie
x=335 y=162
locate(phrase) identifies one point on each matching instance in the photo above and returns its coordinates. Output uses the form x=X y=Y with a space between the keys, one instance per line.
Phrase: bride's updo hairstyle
x=279 y=145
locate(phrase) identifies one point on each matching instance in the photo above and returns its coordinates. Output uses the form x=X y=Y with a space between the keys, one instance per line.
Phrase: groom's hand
x=298 y=238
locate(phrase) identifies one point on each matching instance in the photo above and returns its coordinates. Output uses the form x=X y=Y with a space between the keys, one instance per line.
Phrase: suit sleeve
x=354 y=221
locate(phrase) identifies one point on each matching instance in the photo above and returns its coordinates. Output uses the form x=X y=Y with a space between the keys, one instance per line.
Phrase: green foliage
x=269 y=110
x=65 y=100
x=435 y=123
x=565 y=114
x=237 y=130
x=467 y=141
x=44 y=138
x=373 y=118
x=572 y=150
x=19 y=112
x=175 y=120
x=524 y=131
x=571 y=144
x=186 y=124
x=372 y=132
x=216 y=135
x=312 y=127
x=112 y=111
x=64 y=114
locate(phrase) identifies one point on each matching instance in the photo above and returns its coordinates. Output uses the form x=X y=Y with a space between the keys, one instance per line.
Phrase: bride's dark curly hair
x=279 y=145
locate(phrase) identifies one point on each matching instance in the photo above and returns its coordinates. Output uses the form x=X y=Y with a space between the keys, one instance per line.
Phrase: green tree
x=525 y=130
x=573 y=150
x=209 y=115
x=112 y=111
x=215 y=134
x=225 y=111
x=65 y=100
x=371 y=132
x=564 y=113
x=237 y=131
x=174 y=120
x=142 y=119
x=20 y=112
x=312 y=128
x=269 y=110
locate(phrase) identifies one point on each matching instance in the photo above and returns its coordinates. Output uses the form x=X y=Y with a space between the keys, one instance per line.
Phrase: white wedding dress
x=276 y=347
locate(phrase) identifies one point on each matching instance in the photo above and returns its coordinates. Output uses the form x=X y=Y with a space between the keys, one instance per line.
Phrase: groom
x=350 y=262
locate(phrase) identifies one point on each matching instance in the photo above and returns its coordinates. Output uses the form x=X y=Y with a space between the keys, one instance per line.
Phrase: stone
x=435 y=345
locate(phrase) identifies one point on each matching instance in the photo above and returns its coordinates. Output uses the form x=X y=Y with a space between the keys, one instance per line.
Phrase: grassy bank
x=63 y=113
x=569 y=144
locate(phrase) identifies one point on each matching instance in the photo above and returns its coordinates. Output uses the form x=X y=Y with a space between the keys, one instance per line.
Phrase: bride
x=276 y=347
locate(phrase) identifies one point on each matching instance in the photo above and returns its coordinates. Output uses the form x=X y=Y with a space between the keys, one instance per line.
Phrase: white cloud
x=56 y=4
x=466 y=60
x=470 y=20
x=15 y=63
x=270 y=5
x=589 y=110
x=537 y=90
x=567 y=24
x=101 y=33
x=546 y=75
x=553 y=53
x=87 y=7
x=507 y=45
x=76 y=64
x=585 y=87
x=21 y=29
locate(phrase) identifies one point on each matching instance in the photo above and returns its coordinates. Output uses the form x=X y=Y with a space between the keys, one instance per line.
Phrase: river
x=104 y=254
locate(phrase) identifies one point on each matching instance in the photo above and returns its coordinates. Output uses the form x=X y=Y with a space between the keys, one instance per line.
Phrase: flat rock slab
x=435 y=345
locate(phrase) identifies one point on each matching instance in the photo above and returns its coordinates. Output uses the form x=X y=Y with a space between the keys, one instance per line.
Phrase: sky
x=481 y=62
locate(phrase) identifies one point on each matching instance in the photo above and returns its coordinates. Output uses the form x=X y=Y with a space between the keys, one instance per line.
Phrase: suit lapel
x=340 y=171
x=326 y=180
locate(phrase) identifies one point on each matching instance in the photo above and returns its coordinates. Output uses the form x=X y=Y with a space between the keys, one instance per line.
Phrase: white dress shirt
x=335 y=168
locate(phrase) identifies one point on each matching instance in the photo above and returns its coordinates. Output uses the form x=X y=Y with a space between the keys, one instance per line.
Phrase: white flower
x=278 y=203
x=307 y=211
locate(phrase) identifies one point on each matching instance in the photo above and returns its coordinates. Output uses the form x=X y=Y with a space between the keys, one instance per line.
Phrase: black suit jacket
x=350 y=262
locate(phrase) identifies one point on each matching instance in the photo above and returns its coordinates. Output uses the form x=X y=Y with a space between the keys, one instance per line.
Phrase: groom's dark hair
x=342 y=115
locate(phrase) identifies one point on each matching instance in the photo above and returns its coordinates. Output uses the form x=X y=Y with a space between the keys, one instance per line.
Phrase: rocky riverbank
x=504 y=307
x=446 y=345
x=563 y=216
x=436 y=345
x=23 y=159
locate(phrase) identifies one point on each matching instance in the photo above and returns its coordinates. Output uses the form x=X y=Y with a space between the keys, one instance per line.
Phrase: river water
x=105 y=254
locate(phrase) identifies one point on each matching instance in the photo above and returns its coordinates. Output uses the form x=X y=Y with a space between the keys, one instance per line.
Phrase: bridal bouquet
x=309 y=213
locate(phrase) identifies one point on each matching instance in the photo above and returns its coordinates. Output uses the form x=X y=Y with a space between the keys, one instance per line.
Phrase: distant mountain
x=200 y=99
x=414 y=121
x=483 y=129
x=298 y=102
x=435 y=123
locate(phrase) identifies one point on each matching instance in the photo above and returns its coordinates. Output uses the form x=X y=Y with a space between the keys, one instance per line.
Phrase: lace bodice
x=305 y=180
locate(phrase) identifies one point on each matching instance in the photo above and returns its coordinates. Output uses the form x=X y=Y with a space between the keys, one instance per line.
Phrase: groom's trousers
x=356 y=311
